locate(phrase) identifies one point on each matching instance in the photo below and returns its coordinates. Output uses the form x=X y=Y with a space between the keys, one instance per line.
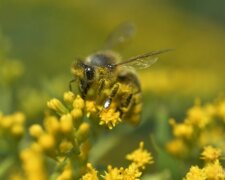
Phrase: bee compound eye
x=89 y=72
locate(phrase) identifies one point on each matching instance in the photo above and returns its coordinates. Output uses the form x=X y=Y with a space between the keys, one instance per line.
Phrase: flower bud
x=57 y=106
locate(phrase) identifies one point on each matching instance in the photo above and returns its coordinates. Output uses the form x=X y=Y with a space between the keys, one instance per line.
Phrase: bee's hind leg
x=127 y=101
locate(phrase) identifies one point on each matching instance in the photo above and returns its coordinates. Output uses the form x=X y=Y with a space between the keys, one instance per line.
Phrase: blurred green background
x=44 y=37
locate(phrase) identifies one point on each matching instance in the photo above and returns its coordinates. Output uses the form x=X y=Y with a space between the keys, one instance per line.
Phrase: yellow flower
x=195 y=173
x=210 y=153
x=52 y=124
x=109 y=117
x=6 y=122
x=17 y=130
x=57 y=106
x=33 y=163
x=78 y=103
x=132 y=172
x=36 y=130
x=181 y=130
x=214 y=171
x=46 y=141
x=68 y=97
x=13 y=124
x=19 y=118
x=83 y=131
x=91 y=173
x=113 y=173
x=177 y=147
x=77 y=114
x=90 y=108
x=197 y=116
x=66 y=123
x=140 y=157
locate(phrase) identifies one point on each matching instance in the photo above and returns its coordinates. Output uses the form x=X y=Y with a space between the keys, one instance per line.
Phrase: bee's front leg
x=113 y=93
x=70 y=84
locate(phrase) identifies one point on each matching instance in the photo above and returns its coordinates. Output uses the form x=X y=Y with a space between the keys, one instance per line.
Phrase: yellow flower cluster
x=203 y=125
x=33 y=163
x=12 y=125
x=79 y=108
x=59 y=146
x=64 y=134
x=64 y=137
x=139 y=159
x=212 y=168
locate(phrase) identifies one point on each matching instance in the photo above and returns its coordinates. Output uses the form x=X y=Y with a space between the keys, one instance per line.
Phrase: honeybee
x=108 y=80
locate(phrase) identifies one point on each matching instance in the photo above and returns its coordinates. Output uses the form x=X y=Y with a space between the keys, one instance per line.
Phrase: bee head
x=83 y=71
x=89 y=72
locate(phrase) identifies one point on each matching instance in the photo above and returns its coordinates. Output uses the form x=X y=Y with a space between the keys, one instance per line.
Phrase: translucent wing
x=144 y=60
x=122 y=34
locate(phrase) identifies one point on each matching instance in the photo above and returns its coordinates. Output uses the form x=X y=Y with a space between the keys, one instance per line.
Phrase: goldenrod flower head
x=6 y=122
x=210 y=153
x=19 y=118
x=78 y=103
x=132 y=172
x=36 y=130
x=52 y=124
x=17 y=130
x=46 y=141
x=91 y=173
x=214 y=170
x=68 y=97
x=33 y=163
x=177 y=147
x=197 y=116
x=77 y=114
x=90 y=108
x=182 y=130
x=113 y=173
x=195 y=173
x=140 y=157
x=109 y=117
x=66 y=123
x=13 y=124
x=83 y=131
x=57 y=106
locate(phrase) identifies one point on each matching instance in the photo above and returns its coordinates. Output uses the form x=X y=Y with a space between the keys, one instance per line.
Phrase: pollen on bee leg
x=107 y=103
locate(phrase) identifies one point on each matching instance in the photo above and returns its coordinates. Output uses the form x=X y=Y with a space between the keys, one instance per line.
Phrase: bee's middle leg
x=101 y=86
x=113 y=93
